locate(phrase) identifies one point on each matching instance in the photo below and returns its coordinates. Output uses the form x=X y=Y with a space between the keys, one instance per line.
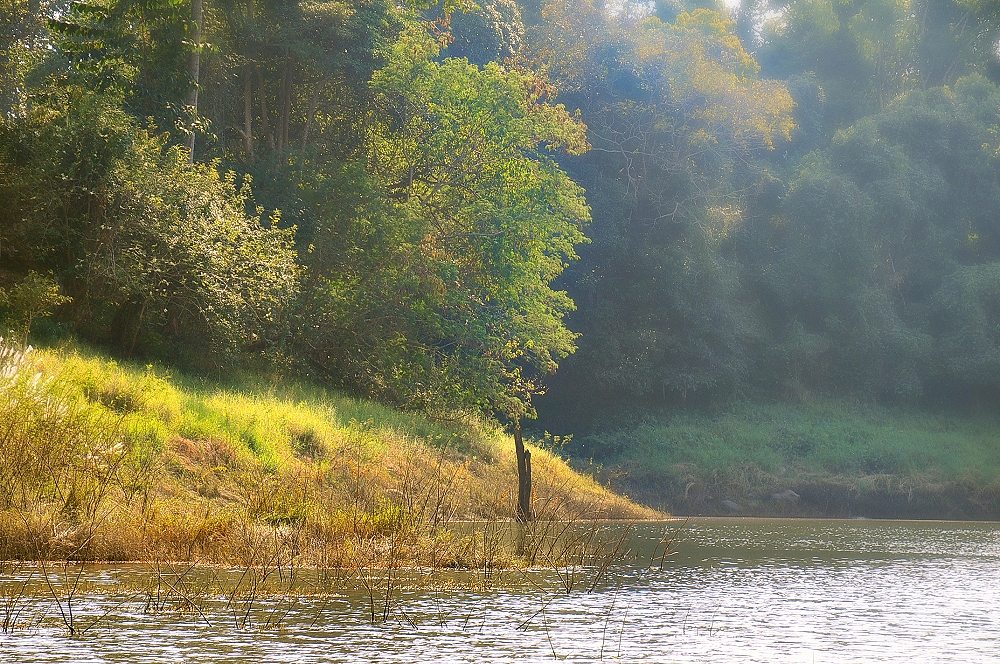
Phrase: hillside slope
x=106 y=461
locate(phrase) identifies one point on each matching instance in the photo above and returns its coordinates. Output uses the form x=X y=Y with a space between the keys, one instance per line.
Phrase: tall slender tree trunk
x=285 y=102
x=248 y=114
x=265 y=117
x=312 y=112
x=523 y=512
x=194 y=67
x=248 y=72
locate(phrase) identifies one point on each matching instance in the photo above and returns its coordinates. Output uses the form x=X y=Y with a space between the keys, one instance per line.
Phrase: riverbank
x=831 y=458
x=101 y=460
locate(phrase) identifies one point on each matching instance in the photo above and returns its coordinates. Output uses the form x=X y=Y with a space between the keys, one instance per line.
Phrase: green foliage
x=860 y=49
x=153 y=250
x=133 y=48
x=795 y=198
x=35 y=296
x=435 y=290
x=877 y=237
x=674 y=110
x=188 y=262
x=431 y=288
x=965 y=317
x=492 y=32
x=864 y=54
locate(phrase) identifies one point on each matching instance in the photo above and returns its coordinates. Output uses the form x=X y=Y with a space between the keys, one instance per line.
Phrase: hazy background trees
x=778 y=262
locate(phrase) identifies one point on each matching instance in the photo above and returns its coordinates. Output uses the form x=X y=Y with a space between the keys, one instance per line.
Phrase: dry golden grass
x=101 y=461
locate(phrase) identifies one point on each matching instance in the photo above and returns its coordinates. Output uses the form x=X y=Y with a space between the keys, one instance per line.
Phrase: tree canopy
x=675 y=204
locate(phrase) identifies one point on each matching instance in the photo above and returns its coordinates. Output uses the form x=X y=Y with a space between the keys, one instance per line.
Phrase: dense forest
x=678 y=204
x=820 y=220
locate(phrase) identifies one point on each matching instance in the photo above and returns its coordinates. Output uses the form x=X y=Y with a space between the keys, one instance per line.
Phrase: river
x=733 y=590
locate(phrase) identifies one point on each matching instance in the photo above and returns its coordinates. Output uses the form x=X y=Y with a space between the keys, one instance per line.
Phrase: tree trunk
x=285 y=102
x=194 y=67
x=248 y=114
x=312 y=112
x=523 y=512
x=265 y=117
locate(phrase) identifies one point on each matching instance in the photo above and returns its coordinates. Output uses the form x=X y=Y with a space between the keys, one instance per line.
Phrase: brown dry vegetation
x=100 y=461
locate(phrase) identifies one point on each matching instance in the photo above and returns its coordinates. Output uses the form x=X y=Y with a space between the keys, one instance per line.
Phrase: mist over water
x=748 y=590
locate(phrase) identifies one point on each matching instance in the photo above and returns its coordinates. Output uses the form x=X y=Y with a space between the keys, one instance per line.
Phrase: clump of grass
x=106 y=460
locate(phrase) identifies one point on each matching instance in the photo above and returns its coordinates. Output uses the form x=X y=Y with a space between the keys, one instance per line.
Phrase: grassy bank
x=825 y=458
x=106 y=461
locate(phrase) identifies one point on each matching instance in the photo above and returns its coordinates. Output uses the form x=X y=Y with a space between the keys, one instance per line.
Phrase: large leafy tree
x=432 y=286
x=491 y=32
x=861 y=50
x=135 y=50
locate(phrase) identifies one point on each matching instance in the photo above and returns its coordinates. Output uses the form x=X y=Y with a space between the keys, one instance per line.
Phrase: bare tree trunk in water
x=523 y=512
x=194 y=66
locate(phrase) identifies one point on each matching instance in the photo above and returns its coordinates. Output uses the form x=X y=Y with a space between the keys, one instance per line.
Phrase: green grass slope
x=838 y=458
x=102 y=460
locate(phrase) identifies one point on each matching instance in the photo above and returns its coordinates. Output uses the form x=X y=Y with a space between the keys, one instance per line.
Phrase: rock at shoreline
x=787 y=496
x=731 y=506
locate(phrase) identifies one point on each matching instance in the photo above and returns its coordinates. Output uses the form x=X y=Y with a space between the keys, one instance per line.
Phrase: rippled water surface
x=736 y=590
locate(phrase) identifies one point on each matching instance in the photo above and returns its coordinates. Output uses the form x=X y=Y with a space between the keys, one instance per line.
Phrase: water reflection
x=748 y=590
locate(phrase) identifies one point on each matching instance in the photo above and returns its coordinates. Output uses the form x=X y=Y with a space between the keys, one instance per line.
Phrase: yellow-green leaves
x=704 y=69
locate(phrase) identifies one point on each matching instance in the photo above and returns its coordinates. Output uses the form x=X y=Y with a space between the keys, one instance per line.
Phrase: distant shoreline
x=840 y=497
x=816 y=459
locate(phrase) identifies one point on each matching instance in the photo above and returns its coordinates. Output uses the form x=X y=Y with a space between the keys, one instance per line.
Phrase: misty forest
x=309 y=283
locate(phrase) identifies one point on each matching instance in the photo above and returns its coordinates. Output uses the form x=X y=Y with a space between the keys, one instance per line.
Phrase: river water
x=733 y=590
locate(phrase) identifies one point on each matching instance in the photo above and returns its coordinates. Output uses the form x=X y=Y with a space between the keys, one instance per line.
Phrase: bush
x=158 y=253
x=35 y=296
